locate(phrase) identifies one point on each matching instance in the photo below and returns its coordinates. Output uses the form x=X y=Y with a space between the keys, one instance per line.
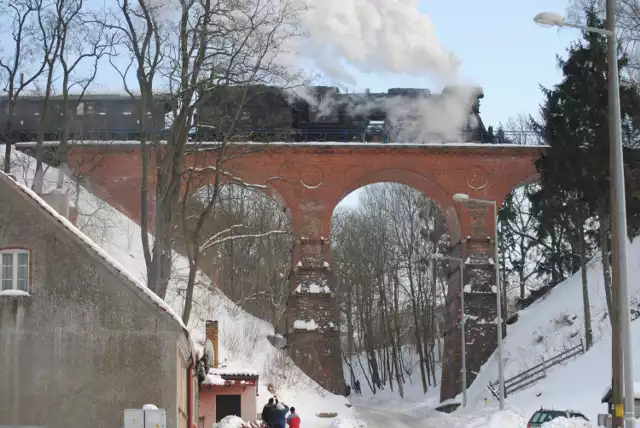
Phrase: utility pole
x=622 y=364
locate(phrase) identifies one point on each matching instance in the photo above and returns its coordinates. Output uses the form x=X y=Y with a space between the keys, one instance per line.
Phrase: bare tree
x=49 y=40
x=21 y=62
x=209 y=205
x=518 y=227
x=388 y=294
x=191 y=48
x=82 y=42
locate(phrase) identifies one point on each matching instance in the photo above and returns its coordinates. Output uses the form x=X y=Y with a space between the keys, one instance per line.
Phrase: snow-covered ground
x=389 y=398
x=243 y=342
x=546 y=328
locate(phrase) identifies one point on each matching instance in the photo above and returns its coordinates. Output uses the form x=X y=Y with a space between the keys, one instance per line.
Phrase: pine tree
x=574 y=170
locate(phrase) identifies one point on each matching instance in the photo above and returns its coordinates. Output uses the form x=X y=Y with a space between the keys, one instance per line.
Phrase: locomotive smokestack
x=367 y=91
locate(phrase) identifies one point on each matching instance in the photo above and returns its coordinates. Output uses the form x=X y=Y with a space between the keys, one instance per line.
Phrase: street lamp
x=463 y=198
x=463 y=341
x=618 y=208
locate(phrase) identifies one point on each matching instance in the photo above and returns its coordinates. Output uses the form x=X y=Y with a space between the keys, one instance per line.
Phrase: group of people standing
x=274 y=415
x=356 y=387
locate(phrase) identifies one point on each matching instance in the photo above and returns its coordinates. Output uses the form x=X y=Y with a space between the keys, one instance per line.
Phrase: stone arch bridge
x=310 y=179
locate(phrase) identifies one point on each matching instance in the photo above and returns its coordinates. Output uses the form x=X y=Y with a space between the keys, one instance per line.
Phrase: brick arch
x=416 y=181
x=272 y=191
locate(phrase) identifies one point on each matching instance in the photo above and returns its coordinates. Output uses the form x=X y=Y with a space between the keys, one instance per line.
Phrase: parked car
x=545 y=415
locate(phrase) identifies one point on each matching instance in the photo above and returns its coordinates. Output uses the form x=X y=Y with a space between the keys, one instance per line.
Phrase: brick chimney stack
x=212 y=335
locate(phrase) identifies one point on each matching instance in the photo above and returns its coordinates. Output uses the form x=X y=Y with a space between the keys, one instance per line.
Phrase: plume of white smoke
x=386 y=37
x=375 y=36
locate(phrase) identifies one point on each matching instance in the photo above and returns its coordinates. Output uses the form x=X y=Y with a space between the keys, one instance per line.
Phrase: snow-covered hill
x=555 y=323
x=242 y=338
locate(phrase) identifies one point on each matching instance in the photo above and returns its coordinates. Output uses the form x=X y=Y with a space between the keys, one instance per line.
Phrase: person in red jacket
x=293 y=420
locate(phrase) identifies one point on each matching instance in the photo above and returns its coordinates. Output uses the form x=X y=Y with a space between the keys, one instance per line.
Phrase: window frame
x=15 y=280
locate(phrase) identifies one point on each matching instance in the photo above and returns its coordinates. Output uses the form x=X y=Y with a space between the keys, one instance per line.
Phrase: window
x=14 y=274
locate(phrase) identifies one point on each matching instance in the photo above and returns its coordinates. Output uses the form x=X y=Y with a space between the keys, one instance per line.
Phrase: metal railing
x=538 y=372
x=302 y=135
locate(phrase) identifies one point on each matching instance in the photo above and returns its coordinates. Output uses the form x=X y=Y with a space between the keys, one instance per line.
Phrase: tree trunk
x=416 y=326
x=588 y=334
x=350 y=335
x=606 y=261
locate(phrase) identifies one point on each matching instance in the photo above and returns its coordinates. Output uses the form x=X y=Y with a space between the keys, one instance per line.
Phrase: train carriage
x=267 y=114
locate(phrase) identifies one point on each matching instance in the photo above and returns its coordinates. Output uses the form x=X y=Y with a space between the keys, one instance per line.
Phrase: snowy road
x=389 y=419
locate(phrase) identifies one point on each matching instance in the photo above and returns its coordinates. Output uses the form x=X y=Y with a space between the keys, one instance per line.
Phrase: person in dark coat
x=358 y=390
x=280 y=411
x=268 y=413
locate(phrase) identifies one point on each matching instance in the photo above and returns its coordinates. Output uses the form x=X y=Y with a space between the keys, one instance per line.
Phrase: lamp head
x=549 y=19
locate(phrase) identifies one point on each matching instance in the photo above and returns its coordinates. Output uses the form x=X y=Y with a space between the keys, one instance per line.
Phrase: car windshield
x=543 y=416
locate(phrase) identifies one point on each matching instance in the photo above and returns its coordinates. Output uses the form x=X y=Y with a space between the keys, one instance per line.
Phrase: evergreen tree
x=574 y=170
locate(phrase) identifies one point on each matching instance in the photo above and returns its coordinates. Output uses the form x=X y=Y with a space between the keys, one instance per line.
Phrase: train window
x=127 y=111
x=36 y=114
x=80 y=109
x=89 y=108
x=245 y=116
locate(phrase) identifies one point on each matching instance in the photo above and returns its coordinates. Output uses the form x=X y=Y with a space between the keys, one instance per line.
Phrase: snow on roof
x=231 y=371
x=94 y=247
x=213 y=379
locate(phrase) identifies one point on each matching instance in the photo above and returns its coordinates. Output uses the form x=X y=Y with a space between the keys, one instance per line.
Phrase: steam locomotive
x=268 y=113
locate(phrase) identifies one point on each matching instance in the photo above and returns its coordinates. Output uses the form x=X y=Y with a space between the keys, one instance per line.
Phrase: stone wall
x=480 y=309
x=84 y=345
x=313 y=320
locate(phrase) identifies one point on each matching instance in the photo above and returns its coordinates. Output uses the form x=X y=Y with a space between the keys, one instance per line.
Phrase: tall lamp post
x=618 y=212
x=463 y=341
x=463 y=198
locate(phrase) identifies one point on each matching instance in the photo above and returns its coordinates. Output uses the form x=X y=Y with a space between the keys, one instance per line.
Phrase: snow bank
x=567 y=423
x=486 y=417
x=348 y=423
x=229 y=422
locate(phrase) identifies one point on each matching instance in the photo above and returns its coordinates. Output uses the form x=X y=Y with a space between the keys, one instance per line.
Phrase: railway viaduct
x=310 y=179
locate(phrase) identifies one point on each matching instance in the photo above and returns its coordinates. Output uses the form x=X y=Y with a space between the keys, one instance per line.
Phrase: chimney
x=212 y=335
x=58 y=199
x=367 y=91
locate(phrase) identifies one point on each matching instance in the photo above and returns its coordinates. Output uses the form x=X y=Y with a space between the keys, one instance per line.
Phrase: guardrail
x=337 y=135
x=535 y=373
